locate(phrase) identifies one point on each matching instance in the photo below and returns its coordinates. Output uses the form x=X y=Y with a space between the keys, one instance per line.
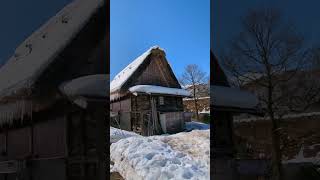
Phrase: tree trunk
x=276 y=151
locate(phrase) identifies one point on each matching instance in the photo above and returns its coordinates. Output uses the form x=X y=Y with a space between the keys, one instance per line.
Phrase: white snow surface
x=182 y=156
x=232 y=97
x=38 y=51
x=92 y=85
x=124 y=75
x=150 y=89
x=299 y=158
x=117 y=134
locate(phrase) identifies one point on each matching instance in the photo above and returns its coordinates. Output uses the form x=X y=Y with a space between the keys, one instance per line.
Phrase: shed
x=44 y=132
x=147 y=96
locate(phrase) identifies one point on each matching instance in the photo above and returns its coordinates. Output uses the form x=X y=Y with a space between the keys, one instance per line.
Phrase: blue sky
x=20 y=18
x=227 y=13
x=181 y=27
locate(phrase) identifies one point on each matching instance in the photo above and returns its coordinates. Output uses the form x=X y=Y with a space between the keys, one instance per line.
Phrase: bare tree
x=192 y=77
x=271 y=55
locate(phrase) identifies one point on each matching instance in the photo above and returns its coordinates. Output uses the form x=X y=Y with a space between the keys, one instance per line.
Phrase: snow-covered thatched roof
x=150 y=89
x=126 y=73
x=232 y=98
x=38 y=51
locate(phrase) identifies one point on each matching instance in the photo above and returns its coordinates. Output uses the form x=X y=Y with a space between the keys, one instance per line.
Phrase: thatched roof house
x=53 y=93
x=43 y=54
x=146 y=91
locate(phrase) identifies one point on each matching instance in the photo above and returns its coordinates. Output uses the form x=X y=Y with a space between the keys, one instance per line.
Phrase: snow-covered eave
x=199 y=98
x=254 y=111
x=40 y=49
x=159 y=90
x=232 y=98
x=94 y=86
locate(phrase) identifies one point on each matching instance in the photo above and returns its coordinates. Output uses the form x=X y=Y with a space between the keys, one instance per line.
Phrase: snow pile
x=231 y=97
x=196 y=125
x=124 y=75
x=181 y=156
x=117 y=134
x=150 y=89
x=300 y=158
x=196 y=144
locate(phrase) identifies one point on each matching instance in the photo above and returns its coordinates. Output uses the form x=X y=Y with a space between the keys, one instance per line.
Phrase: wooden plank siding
x=156 y=73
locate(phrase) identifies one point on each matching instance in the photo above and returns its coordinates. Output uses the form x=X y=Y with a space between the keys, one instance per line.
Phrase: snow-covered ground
x=300 y=158
x=117 y=134
x=185 y=155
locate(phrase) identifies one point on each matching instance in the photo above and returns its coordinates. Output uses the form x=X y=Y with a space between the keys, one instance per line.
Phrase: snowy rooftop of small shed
x=150 y=89
x=39 y=50
x=125 y=74
x=232 y=97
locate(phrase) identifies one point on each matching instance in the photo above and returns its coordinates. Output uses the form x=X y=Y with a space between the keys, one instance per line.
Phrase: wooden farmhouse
x=146 y=97
x=53 y=99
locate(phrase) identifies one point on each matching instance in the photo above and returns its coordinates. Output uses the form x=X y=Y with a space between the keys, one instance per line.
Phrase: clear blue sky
x=181 y=27
x=20 y=18
x=227 y=15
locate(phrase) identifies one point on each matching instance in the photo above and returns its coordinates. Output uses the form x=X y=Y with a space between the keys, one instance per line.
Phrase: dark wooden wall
x=171 y=103
x=42 y=140
x=223 y=128
x=87 y=143
x=123 y=105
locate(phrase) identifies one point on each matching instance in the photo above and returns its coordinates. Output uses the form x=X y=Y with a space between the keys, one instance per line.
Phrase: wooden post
x=154 y=115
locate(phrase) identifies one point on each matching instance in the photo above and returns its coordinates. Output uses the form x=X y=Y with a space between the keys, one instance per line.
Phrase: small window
x=161 y=100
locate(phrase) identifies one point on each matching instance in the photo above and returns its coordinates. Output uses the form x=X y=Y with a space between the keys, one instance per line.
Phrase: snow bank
x=180 y=156
x=231 y=97
x=124 y=75
x=117 y=134
x=150 y=89
x=300 y=158
x=195 y=144
x=196 y=125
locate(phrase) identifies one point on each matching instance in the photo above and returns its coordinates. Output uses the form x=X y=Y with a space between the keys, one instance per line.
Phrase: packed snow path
x=184 y=155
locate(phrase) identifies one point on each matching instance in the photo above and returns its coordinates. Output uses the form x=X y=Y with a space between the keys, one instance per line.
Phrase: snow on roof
x=150 y=89
x=196 y=125
x=124 y=75
x=38 y=51
x=92 y=85
x=232 y=97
